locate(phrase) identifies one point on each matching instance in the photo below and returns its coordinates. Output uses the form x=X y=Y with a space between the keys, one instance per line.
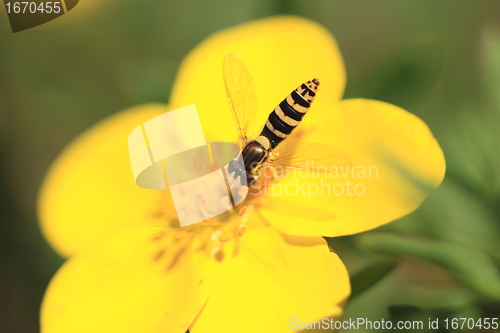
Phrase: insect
x=267 y=149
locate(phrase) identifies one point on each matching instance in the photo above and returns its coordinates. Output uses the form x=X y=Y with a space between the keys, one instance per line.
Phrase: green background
x=437 y=59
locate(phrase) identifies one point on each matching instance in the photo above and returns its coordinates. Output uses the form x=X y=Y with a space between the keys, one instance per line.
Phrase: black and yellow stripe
x=288 y=114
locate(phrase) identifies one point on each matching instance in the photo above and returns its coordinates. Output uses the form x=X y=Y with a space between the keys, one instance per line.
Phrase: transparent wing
x=240 y=94
x=316 y=157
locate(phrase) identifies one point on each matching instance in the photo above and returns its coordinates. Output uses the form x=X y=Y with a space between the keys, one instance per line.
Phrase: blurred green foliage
x=439 y=60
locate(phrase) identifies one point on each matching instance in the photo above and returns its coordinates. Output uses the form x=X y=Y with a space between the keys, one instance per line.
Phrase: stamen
x=242 y=210
x=214 y=251
x=224 y=237
x=159 y=255
x=158 y=236
x=246 y=214
x=215 y=235
x=241 y=230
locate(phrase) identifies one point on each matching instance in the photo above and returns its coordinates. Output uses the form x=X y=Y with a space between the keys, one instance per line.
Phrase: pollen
x=218 y=236
x=241 y=230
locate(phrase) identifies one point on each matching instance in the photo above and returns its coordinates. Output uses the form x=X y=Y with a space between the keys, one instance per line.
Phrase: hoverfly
x=266 y=149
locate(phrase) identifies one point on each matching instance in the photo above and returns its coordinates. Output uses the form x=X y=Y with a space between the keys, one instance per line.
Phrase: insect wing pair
x=293 y=152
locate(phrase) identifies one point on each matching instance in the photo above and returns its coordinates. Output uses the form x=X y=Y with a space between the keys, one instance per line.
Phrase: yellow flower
x=132 y=270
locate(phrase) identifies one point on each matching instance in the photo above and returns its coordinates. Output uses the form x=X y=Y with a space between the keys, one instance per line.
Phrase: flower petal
x=274 y=279
x=281 y=53
x=123 y=284
x=397 y=163
x=90 y=189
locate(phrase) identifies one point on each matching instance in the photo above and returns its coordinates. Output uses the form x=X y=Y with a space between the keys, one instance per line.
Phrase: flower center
x=215 y=235
x=210 y=235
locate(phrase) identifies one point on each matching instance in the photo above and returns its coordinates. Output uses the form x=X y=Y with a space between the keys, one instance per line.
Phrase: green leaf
x=414 y=316
x=469 y=265
x=452 y=203
x=370 y=275
x=405 y=78
x=147 y=78
x=491 y=64
x=473 y=152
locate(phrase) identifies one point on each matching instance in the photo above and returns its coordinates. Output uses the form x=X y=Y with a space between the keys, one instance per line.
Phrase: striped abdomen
x=288 y=114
